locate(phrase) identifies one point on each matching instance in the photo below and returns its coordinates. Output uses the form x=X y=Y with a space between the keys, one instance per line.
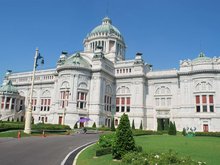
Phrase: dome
x=76 y=60
x=8 y=88
x=201 y=59
x=105 y=27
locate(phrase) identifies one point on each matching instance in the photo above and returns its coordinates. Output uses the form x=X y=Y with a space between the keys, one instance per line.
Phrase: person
x=84 y=130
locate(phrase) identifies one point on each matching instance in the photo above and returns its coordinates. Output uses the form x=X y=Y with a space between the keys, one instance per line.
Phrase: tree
x=94 y=125
x=75 y=126
x=113 y=125
x=166 y=124
x=141 y=126
x=124 y=141
x=172 y=128
x=133 y=127
x=159 y=125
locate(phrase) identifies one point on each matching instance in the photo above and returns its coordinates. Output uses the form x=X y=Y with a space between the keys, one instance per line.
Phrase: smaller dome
x=201 y=59
x=76 y=60
x=105 y=27
x=9 y=88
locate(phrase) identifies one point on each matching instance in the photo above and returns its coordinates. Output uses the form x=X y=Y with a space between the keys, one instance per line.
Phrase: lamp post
x=28 y=113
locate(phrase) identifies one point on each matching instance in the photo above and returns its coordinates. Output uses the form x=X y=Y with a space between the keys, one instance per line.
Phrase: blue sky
x=165 y=31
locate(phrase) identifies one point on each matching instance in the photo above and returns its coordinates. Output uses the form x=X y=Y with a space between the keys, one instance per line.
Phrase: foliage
x=113 y=125
x=103 y=151
x=103 y=128
x=184 y=132
x=139 y=132
x=172 y=128
x=5 y=126
x=94 y=125
x=212 y=134
x=141 y=126
x=166 y=124
x=159 y=125
x=138 y=158
x=106 y=140
x=42 y=126
x=133 y=126
x=124 y=141
x=75 y=126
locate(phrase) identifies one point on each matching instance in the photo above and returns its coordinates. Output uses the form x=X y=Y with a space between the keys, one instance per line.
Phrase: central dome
x=105 y=27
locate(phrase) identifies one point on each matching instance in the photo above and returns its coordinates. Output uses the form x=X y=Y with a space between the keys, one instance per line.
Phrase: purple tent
x=84 y=119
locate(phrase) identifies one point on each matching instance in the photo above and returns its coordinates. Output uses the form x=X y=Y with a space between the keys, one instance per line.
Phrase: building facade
x=98 y=83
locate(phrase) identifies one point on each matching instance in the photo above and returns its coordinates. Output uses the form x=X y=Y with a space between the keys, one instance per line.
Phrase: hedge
x=139 y=132
x=103 y=151
x=213 y=134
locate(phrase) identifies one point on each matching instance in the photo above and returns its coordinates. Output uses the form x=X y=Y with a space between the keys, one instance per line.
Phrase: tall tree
x=124 y=141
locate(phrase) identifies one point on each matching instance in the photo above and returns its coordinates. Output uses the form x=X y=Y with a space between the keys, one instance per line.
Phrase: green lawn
x=198 y=148
x=13 y=134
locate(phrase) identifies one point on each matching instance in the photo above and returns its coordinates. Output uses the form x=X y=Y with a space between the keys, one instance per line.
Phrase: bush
x=139 y=132
x=133 y=127
x=42 y=126
x=124 y=141
x=104 y=128
x=139 y=158
x=75 y=126
x=106 y=140
x=141 y=126
x=184 y=132
x=94 y=125
x=5 y=126
x=103 y=151
x=113 y=125
x=213 y=134
x=172 y=128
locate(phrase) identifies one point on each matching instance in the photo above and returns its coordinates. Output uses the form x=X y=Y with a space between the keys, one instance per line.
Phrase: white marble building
x=98 y=83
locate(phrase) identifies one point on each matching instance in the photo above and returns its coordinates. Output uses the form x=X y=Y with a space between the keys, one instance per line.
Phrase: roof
x=76 y=60
x=201 y=59
x=105 y=27
x=9 y=88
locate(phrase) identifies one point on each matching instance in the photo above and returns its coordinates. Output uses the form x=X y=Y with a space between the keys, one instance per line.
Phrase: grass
x=13 y=134
x=198 y=148
x=88 y=158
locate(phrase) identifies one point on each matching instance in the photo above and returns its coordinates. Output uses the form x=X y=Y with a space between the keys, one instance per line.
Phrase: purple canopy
x=83 y=119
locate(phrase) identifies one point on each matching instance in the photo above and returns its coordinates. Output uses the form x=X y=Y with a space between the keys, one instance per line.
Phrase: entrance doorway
x=205 y=128
x=60 y=120
x=163 y=124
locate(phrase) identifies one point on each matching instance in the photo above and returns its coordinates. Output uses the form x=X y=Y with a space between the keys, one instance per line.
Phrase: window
x=3 y=102
x=64 y=97
x=123 y=104
x=34 y=103
x=81 y=100
x=7 y=102
x=45 y=104
x=21 y=105
x=204 y=103
x=13 y=103
x=108 y=102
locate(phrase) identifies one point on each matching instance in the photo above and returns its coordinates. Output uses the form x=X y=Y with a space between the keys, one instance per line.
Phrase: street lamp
x=28 y=113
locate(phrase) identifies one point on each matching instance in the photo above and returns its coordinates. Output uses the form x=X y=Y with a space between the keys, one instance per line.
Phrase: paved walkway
x=50 y=150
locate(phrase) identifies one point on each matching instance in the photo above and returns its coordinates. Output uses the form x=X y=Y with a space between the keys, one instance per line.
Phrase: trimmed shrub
x=103 y=151
x=94 y=125
x=212 y=134
x=172 y=128
x=42 y=126
x=139 y=132
x=133 y=126
x=141 y=126
x=113 y=125
x=166 y=124
x=139 y=158
x=106 y=140
x=75 y=126
x=159 y=125
x=124 y=141
x=184 y=132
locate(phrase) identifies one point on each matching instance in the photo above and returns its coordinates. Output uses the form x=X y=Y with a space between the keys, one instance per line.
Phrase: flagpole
x=28 y=114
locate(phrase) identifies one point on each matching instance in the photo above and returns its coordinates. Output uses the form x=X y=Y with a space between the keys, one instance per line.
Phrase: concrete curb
x=70 y=158
x=75 y=160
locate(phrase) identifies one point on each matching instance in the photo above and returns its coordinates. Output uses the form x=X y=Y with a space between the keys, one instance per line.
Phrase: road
x=49 y=150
